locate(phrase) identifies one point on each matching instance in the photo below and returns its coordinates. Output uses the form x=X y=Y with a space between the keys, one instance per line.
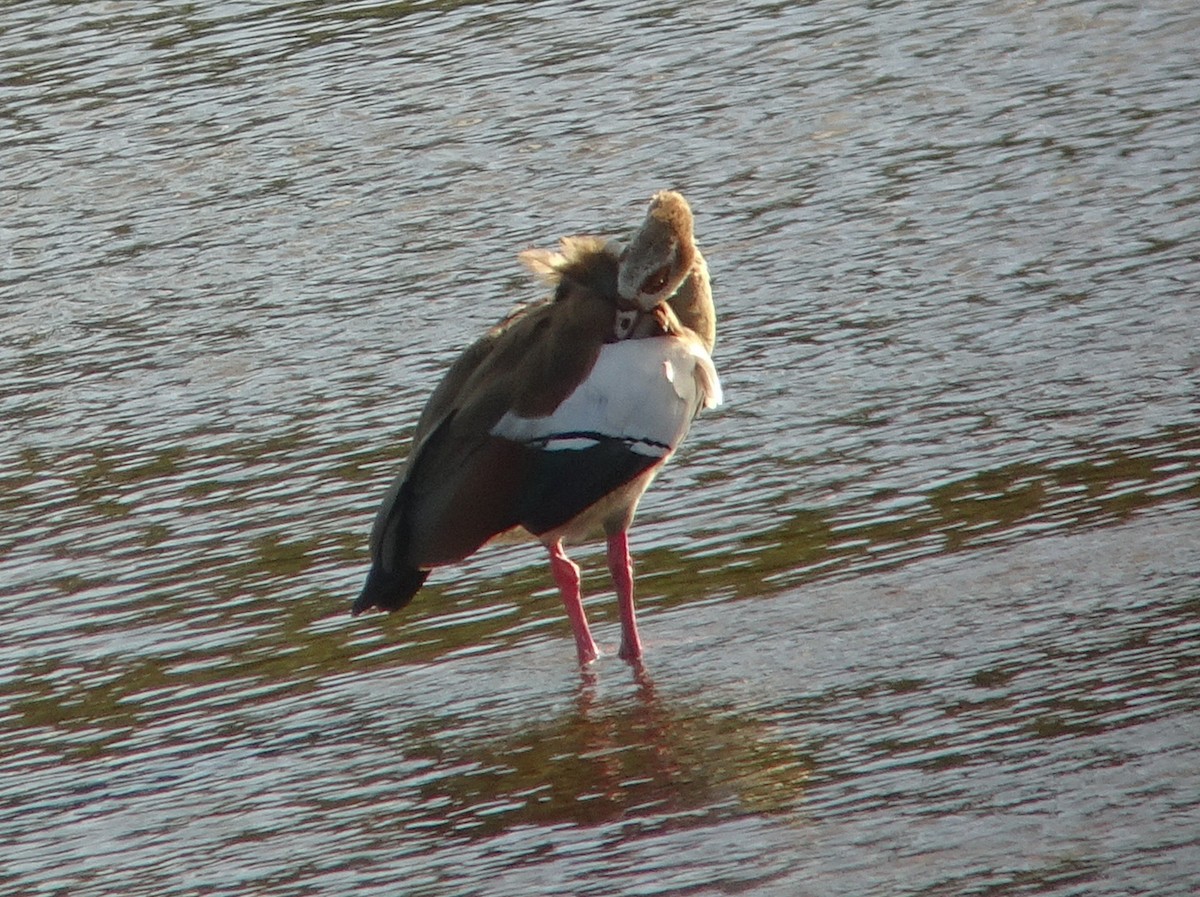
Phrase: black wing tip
x=389 y=591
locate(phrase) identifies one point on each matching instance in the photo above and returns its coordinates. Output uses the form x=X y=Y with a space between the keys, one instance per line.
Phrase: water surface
x=921 y=601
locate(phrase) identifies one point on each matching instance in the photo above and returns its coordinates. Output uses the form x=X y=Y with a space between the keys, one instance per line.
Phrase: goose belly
x=620 y=423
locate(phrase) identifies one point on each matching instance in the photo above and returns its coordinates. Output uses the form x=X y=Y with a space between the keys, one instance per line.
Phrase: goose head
x=660 y=255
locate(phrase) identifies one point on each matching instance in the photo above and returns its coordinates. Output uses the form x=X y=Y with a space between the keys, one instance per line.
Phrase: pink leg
x=621 y=567
x=566 y=574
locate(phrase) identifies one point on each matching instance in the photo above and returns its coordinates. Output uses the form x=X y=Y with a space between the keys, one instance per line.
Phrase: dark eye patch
x=657 y=280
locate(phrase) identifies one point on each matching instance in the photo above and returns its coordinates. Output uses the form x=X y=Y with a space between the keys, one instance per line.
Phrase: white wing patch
x=645 y=391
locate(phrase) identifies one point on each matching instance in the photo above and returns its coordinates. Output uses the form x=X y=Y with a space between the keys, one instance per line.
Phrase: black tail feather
x=389 y=590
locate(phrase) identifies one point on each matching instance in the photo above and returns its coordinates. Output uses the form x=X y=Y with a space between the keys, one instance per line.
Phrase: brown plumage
x=545 y=423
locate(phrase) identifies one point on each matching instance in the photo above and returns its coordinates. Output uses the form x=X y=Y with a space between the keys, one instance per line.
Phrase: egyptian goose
x=556 y=420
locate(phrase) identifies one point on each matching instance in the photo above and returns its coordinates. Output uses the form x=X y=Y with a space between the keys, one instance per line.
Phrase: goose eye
x=656 y=281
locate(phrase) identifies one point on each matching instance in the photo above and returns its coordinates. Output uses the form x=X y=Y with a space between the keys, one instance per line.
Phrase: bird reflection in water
x=651 y=762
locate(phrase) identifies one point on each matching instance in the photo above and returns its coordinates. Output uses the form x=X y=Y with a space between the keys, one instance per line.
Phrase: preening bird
x=556 y=420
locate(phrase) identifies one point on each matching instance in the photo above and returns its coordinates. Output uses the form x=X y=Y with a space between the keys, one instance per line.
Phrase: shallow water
x=921 y=601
